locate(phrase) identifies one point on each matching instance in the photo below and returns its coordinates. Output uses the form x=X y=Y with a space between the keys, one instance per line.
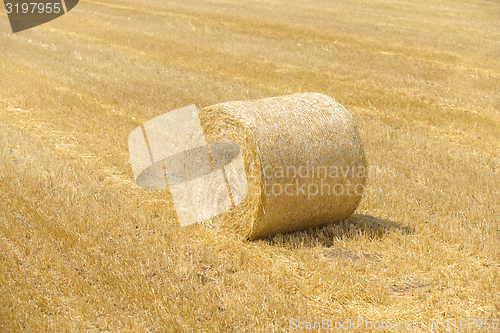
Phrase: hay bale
x=303 y=157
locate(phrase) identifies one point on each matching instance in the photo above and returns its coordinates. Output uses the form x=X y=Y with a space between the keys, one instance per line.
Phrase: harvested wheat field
x=84 y=249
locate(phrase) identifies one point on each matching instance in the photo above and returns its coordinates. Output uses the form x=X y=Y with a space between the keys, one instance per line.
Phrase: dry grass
x=83 y=249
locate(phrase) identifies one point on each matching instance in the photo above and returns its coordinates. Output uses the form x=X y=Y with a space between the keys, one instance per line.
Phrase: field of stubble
x=83 y=249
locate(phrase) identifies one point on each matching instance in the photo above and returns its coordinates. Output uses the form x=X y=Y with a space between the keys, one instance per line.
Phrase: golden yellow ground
x=82 y=249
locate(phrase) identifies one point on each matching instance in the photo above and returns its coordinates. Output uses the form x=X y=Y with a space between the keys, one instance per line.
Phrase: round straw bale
x=304 y=162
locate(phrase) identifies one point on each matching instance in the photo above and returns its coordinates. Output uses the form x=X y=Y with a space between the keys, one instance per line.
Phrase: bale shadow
x=357 y=225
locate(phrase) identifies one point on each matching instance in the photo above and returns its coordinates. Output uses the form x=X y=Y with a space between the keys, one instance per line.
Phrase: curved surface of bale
x=304 y=162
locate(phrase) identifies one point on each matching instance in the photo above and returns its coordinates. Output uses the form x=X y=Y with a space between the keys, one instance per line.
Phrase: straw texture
x=304 y=162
